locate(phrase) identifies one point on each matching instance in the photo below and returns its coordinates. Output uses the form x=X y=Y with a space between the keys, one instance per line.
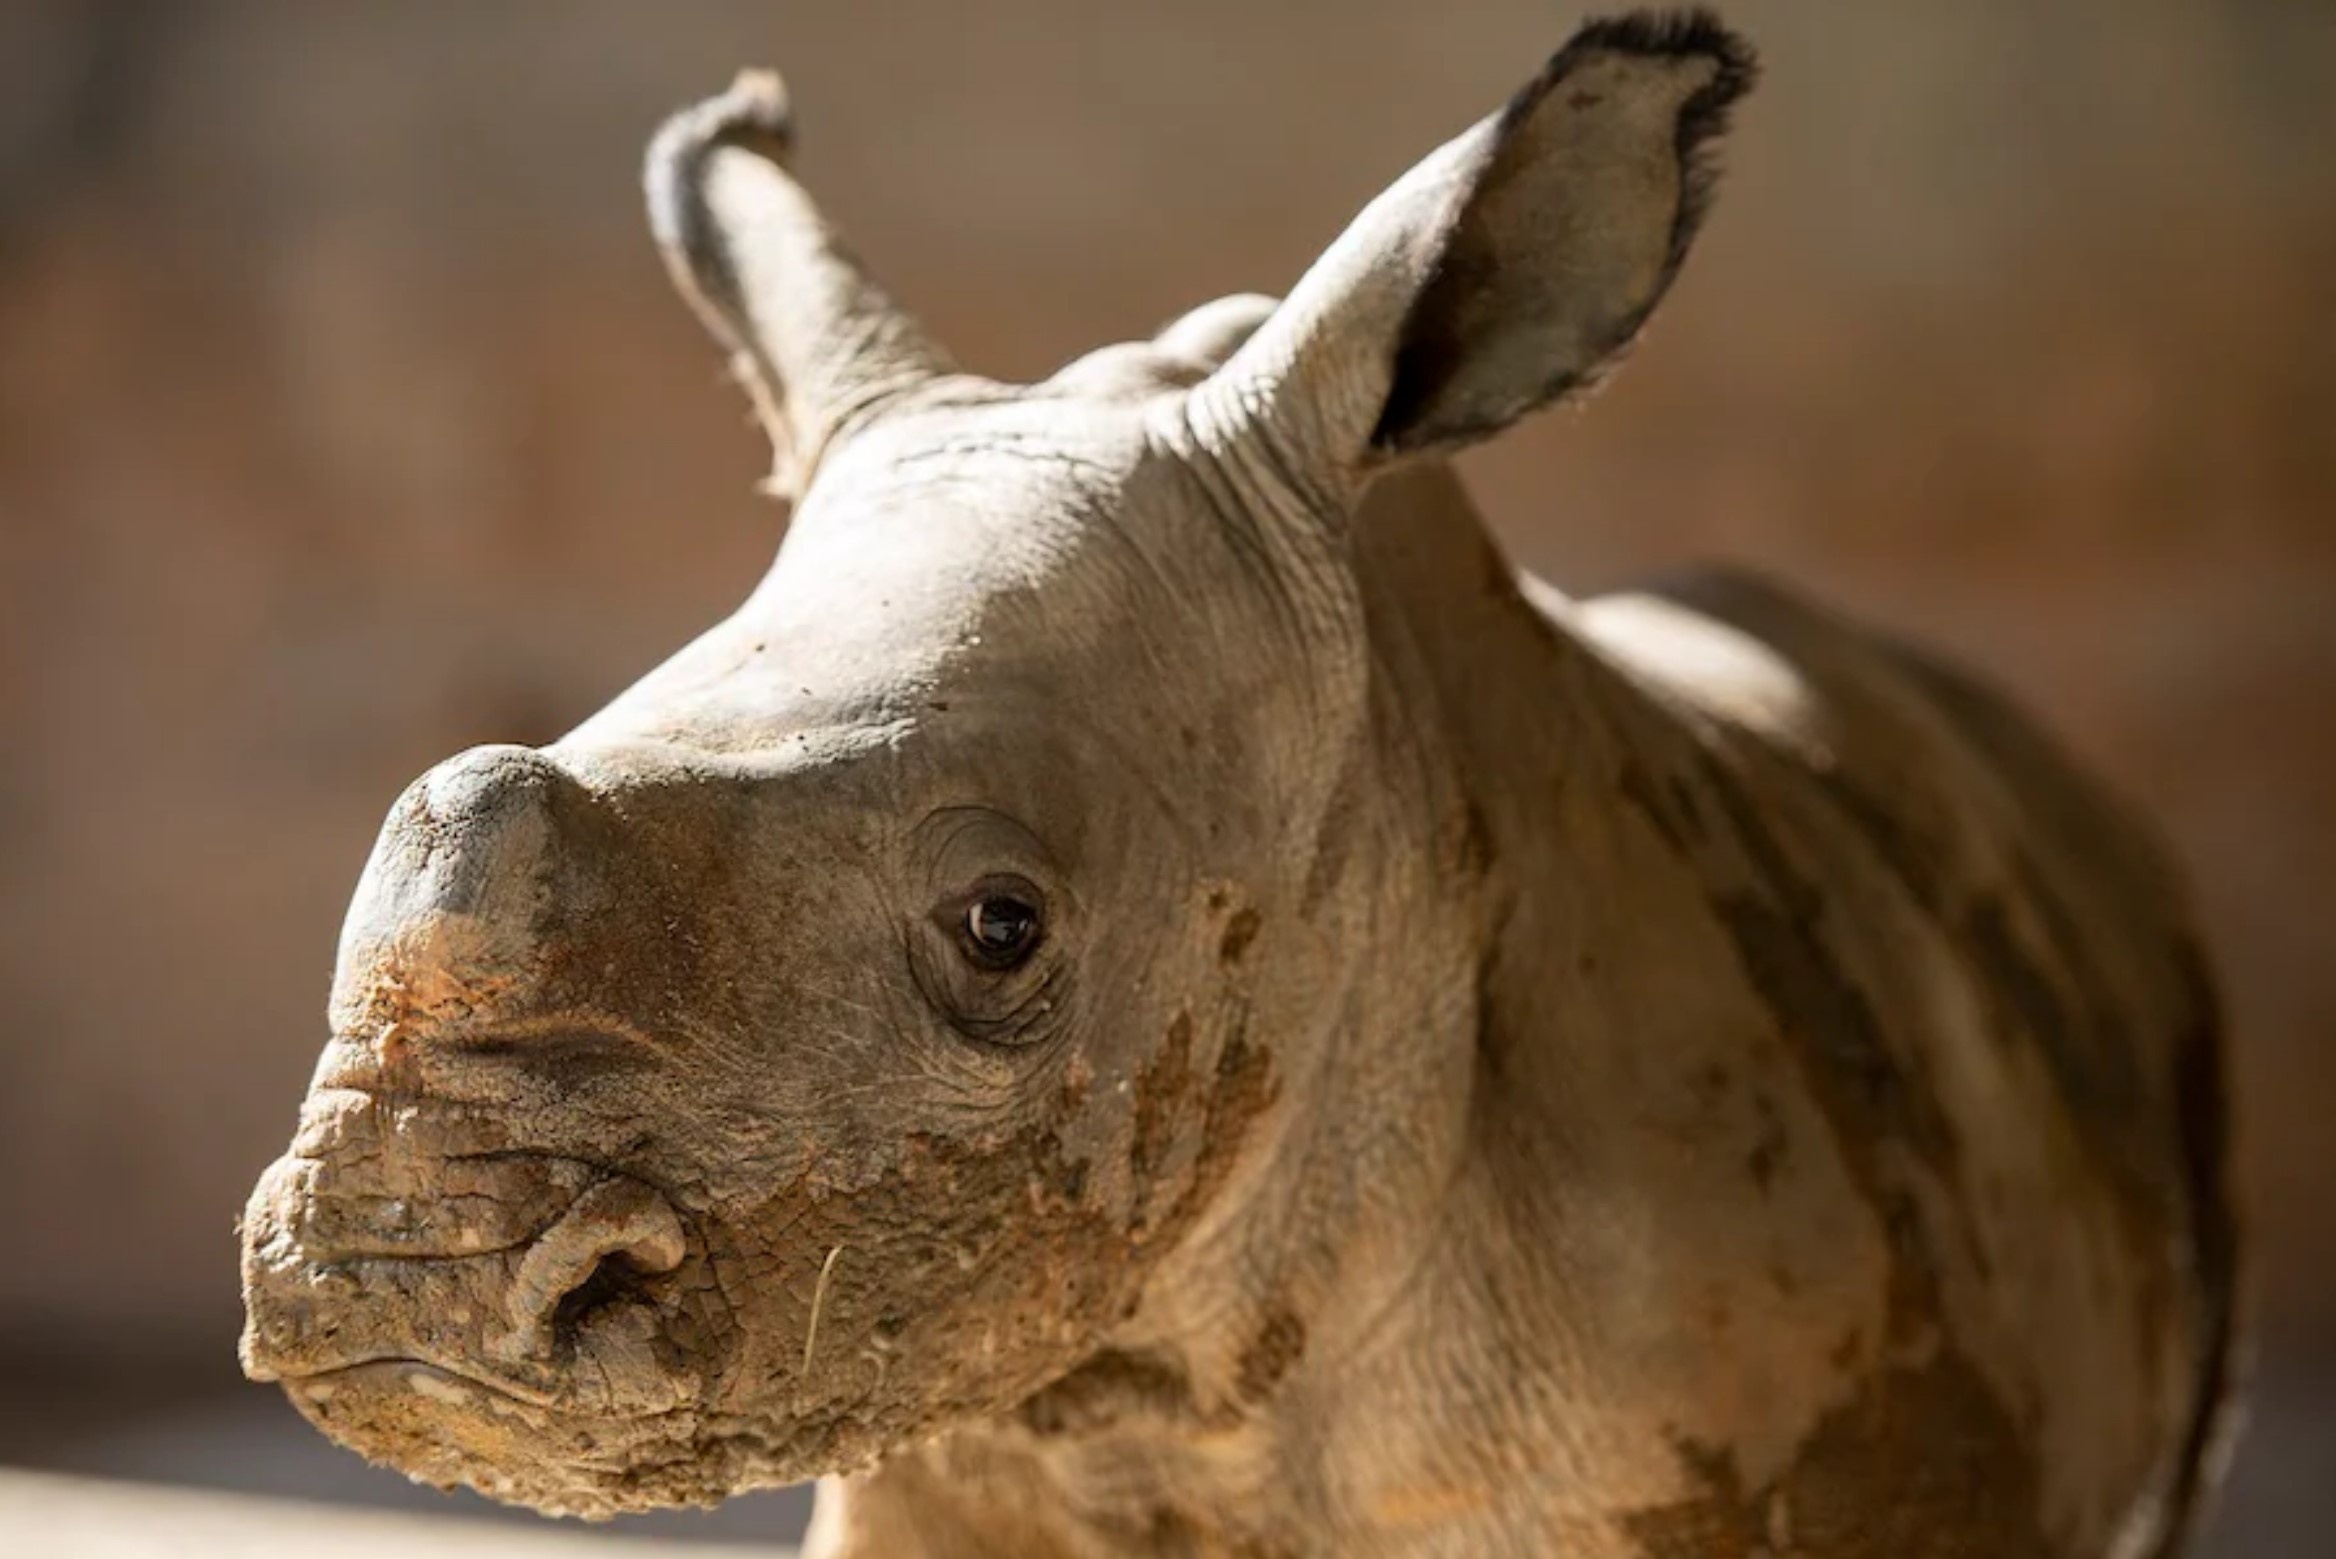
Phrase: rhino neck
x=1270 y=1373
x=1424 y=1267
x=1333 y=1216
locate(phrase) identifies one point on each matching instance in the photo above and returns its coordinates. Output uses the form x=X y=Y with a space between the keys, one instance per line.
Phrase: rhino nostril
x=601 y=1249
x=612 y=1278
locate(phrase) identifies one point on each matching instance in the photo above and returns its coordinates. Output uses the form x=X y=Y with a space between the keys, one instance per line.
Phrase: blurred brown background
x=346 y=419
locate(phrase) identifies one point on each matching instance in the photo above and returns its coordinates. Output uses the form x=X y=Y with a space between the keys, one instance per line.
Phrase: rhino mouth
x=434 y=1379
x=540 y=1328
x=453 y=1425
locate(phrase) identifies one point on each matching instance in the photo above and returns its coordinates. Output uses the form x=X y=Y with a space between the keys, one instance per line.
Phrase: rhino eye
x=1003 y=926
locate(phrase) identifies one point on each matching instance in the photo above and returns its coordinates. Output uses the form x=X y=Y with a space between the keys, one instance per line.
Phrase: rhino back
x=2064 y=1079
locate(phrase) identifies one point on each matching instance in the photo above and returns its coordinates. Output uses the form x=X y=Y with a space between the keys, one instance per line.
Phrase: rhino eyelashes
x=1017 y=1027
x=1008 y=1006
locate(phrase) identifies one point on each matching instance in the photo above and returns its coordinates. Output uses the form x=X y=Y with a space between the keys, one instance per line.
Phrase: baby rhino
x=1147 y=994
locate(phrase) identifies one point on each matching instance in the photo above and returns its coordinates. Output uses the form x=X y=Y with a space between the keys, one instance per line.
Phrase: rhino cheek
x=964 y=1278
x=941 y=1288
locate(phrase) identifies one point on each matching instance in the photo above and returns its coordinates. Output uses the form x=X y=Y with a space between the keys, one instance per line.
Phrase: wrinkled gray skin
x=1667 y=1075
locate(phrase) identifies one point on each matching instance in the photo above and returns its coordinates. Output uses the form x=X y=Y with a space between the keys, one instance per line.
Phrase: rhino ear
x=819 y=346
x=1508 y=269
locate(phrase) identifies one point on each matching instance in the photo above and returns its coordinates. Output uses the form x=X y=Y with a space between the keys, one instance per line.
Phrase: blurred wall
x=345 y=420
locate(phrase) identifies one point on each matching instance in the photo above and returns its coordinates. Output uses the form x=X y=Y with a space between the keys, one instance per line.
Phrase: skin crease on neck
x=1148 y=995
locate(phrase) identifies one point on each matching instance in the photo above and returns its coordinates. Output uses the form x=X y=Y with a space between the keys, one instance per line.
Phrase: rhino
x=1149 y=994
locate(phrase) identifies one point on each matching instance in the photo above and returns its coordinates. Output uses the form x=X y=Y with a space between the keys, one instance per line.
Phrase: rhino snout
x=527 y=1275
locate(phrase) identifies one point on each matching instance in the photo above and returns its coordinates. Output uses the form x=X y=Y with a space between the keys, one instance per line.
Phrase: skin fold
x=1147 y=994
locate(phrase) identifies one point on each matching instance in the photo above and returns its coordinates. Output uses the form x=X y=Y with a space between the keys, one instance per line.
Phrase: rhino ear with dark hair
x=1507 y=270
x=818 y=346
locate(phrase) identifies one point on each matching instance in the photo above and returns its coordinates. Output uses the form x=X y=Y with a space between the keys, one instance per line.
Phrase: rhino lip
x=320 y=1385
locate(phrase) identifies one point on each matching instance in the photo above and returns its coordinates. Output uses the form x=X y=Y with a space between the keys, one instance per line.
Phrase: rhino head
x=945 y=981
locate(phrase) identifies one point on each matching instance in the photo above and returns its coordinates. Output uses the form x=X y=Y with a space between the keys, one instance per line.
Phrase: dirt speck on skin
x=1162 y=1090
x=1276 y=1349
x=1240 y=931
